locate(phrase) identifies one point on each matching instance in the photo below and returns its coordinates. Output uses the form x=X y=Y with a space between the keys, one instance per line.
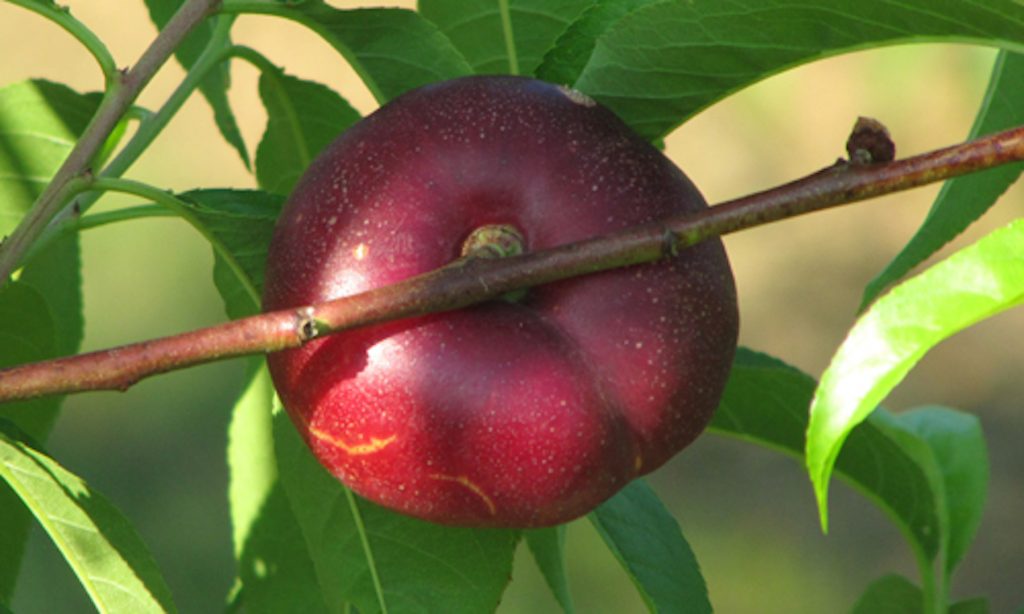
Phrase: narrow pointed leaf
x=564 y=62
x=274 y=565
x=888 y=339
x=379 y=560
x=485 y=34
x=766 y=402
x=26 y=335
x=238 y=224
x=660 y=64
x=251 y=464
x=392 y=50
x=103 y=550
x=548 y=548
x=39 y=123
x=647 y=541
x=302 y=118
x=965 y=199
x=958 y=444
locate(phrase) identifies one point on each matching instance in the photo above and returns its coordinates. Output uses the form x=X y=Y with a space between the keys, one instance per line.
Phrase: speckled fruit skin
x=504 y=414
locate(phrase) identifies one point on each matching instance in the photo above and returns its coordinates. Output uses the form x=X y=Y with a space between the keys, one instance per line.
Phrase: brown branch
x=477 y=280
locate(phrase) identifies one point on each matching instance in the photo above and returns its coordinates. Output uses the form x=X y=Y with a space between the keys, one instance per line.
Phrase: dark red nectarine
x=522 y=412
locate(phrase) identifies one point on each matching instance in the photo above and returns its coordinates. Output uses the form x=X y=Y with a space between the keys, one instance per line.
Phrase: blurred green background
x=158 y=450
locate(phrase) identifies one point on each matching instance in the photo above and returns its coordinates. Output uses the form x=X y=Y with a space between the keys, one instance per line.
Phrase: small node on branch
x=306 y=324
x=870 y=143
x=669 y=244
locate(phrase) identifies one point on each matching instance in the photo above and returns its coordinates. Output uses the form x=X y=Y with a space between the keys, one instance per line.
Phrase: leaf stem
x=313 y=16
x=179 y=208
x=94 y=220
x=253 y=57
x=478 y=280
x=61 y=16
x=153 y=124
x=120 y=94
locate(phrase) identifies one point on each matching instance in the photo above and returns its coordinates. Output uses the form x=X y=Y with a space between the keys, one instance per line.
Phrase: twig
x=119 y=96
x=481 y=279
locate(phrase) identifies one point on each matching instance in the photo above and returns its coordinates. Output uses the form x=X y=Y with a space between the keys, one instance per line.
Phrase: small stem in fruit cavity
x=117 y=100
x=494 y=241
x=480 y=279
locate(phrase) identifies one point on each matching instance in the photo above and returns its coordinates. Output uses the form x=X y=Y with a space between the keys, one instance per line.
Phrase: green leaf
x=275 y=569
x=766 y=402
x=392 y=50
x=39 y=123
x=564 y=62
x=662 y=63
x=958 y=444
x=503 y=37
x=647 y=541
x=26 y=335
x=888 y=339
x=253 y=470
x=215 y=86
x=379 y=560
x=890 y=594
x=238 y=224
x=274 y=566
x=548 y=548
x=56 y=274
x=303 y=117
x=104 y=551
x=965 y=199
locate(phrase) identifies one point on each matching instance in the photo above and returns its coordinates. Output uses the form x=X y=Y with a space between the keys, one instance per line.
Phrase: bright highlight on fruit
x=516 y=413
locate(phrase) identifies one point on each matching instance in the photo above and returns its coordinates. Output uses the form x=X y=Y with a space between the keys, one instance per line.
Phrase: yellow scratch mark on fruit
x=638 y=463
x=361 y=251
x=376 y=444
x=468 y=483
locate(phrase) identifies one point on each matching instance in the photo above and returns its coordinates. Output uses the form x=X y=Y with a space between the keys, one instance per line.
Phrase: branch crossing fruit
x=524 y=412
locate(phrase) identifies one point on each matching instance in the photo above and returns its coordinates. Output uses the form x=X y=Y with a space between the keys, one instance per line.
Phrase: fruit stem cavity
x=494 y=241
